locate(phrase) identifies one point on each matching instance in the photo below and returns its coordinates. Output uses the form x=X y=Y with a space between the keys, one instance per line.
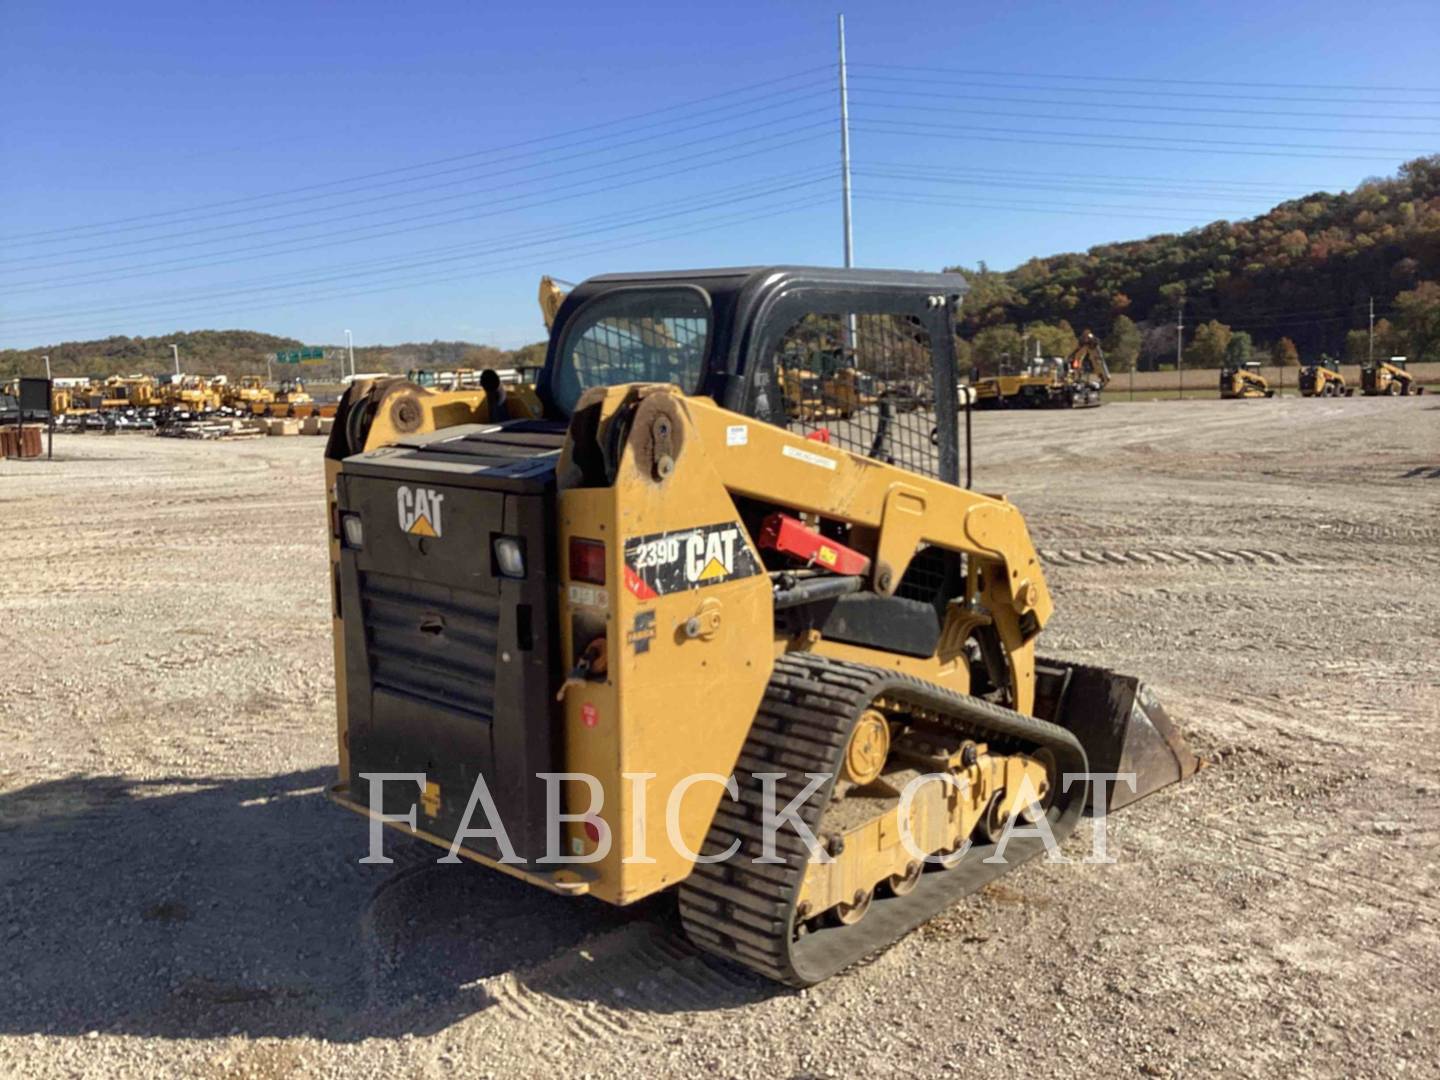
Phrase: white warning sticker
x=737 y=435
x=809 y=458
x=585 y=596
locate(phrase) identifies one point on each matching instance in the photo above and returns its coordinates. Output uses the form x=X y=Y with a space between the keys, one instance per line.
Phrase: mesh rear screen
x=866 y=382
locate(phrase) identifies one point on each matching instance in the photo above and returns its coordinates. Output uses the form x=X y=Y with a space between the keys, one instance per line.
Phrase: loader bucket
x=1121 y=725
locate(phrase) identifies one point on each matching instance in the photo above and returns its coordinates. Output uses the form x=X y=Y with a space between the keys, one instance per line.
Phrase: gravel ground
x=177 y=897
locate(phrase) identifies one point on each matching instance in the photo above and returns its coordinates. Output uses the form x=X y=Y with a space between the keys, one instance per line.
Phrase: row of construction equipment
x=144 y=402
x=1383 y=378
x=1076 y=381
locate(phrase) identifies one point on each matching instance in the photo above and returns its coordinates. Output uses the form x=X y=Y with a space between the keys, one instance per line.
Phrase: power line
x=1144 y=79
x=1227 y=126
x=539 y=259
x=419 y=190
x=1028 y=208
x=1159 y=93
x=529 y=183
x=1037 y=181
x=1160 y=138
x=931 y=95
x=425 y=164
x=648 y=140
x=933 y=133
x=1215 y=181
x=471 y=251
x=259 y=251
x=1020 y=185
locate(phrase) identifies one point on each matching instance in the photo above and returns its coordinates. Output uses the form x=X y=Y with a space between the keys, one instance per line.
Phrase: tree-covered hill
x=1305 y=271
x=238 y=352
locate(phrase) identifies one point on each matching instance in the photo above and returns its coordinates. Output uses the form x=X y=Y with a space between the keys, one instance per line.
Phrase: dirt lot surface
x=177 y=897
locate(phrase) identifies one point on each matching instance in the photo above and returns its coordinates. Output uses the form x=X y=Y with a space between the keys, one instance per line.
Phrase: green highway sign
x=296 y=356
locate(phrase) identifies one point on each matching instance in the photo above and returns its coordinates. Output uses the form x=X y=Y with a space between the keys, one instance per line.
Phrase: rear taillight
x=587 y=560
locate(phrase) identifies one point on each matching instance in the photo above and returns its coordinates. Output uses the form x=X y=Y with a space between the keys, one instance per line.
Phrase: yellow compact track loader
x=1388 y=377
x=657 y=632
x=1244 y=381
x=1323 y=379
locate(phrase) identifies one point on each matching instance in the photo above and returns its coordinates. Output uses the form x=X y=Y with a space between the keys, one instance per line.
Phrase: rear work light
x=509 y=556
x=352 y=531
x=587 y=560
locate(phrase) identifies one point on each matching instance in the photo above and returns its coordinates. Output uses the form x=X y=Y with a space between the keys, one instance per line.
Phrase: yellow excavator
x=652 y=636
x=1074 y=382
x=1388 y=377
x=1323 y=379
x=1244 y=381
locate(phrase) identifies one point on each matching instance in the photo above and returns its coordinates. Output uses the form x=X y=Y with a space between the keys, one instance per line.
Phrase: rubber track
x=744 y=910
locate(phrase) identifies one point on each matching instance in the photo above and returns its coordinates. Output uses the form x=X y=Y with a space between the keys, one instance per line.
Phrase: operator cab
x=734 y=334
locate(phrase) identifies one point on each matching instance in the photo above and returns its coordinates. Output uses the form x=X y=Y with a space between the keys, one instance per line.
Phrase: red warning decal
x=589 y=714
x=637 y=585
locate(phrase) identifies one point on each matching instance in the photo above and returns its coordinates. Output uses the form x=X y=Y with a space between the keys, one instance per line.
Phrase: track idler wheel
x=851 y=913
x=904 y=884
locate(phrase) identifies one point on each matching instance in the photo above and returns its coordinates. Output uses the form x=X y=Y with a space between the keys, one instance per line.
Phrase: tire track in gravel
x=1170 y=557
x=594 y=992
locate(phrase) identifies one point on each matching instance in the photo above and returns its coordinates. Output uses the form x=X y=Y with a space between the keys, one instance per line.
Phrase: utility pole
x=350 y=348
x=845 y=150
x=1371 y=361
x=845 y=181
x=1179 y=344
x=176 y=350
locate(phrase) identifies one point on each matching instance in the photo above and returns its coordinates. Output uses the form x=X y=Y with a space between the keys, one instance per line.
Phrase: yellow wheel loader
x=658 y=635
x=246 y=393
x=1323 y=379
x=1390 y=378
x=1244 y=381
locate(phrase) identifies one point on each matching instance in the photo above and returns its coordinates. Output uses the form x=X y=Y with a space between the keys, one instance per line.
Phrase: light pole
x=1179 y=342
x=350 y=348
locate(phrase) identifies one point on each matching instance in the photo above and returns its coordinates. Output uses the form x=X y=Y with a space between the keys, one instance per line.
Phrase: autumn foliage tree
x=1418 y=311
x=1122 y=344
x=1208 y=349
x=1284 y=354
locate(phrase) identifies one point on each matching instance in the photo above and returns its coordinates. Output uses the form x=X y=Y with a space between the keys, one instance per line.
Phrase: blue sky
x=408 y=170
